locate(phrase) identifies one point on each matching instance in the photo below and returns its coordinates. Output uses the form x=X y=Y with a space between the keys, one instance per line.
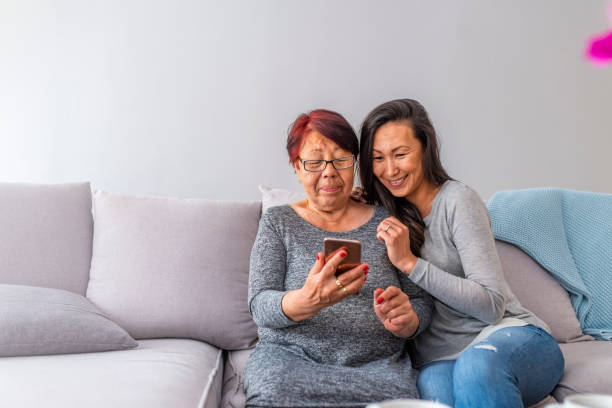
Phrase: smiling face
x=397 y=160
x=329 y=189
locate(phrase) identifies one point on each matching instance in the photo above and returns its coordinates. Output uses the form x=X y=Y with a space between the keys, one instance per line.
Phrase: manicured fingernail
x=389 y=320
x=365 y=273
x=342 y=254
x=380 y=300
x=366 y=267
x=318 y=257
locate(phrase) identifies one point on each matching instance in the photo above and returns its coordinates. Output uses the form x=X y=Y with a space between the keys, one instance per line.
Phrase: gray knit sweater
x=342 y=356
x=460 y=268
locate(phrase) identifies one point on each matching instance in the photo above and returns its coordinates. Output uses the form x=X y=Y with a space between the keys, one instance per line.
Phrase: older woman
x=327 y=341
x=482 y=349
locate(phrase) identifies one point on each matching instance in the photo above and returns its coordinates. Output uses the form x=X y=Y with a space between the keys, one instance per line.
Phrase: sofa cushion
x=159 y=373
x=168 y=267
x=37 y=321
x=233 y=395
x=587 y=369
x=45 y=235
x=540 y=293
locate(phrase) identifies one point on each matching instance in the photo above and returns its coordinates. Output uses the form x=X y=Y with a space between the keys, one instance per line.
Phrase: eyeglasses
x=320 y=165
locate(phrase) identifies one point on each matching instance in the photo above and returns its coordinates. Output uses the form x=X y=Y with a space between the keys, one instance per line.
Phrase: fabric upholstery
x=587 y=369
x=569 y=233
x=159 y=373
x=35 y=321
x=540 y=293
x=233 y=395
x=167 y=267
x=45 y=235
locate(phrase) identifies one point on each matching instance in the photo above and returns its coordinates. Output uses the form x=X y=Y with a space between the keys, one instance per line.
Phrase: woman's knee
x=435 y=382
x=481 y=364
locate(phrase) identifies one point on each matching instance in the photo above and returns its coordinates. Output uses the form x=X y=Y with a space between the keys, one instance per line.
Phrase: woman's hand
x=322 y=288
x=393 y=308
x=358 y=195
x=396 y=237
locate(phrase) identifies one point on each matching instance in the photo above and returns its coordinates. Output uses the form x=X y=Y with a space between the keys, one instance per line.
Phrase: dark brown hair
x=415 y=115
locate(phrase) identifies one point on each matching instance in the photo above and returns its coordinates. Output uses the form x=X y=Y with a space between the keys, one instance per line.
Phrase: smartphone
x=353 y=249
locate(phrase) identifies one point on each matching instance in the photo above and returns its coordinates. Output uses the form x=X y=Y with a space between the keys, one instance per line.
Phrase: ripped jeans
x=513 y=367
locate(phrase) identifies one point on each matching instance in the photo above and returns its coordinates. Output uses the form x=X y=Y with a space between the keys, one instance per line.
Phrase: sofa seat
x=158 y=373
x=587 y=368
x=233 y=392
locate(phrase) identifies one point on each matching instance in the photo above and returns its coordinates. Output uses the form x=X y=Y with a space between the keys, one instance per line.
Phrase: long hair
x=415 y=115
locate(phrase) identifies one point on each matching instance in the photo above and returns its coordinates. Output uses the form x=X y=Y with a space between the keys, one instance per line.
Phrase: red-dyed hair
x=330 y=124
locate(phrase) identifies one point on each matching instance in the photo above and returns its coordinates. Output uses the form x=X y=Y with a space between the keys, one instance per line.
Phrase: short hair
x=330 y=124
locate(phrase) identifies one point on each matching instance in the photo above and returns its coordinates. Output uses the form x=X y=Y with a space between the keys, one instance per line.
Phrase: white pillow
x=271 y=197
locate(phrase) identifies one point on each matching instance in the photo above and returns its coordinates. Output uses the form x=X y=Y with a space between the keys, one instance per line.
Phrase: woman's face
x=397 y=159
x=329 y=189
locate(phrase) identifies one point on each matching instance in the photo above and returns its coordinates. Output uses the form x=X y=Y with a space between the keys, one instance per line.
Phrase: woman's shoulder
x=277 y=221
x=278 y=213
x=455 y=193
x=461 y=203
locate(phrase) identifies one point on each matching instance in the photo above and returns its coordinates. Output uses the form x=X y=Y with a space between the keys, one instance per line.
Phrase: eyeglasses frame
x=326 y=163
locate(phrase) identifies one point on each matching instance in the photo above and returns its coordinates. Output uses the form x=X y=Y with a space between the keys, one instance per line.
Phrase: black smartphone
x=353 y=250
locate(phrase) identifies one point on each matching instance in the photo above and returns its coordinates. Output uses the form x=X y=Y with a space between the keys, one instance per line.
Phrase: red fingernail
x=389 y=320
x=318 y=257
x=380 y=300
x=366 y=267
x=342 y=254
x=365 y=273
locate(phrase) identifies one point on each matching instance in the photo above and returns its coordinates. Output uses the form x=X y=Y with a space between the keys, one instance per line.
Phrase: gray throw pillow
x=170 y=267
x=37 y=321
x=540 y=293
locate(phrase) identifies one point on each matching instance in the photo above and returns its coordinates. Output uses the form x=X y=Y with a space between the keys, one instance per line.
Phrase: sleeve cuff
x=418 y=272
x=281 y=318
x=423 y=315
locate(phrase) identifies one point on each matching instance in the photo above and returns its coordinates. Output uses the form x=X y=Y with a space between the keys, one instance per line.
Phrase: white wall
x=193 y=98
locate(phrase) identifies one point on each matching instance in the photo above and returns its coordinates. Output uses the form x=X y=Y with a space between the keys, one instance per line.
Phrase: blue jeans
x=513 y=367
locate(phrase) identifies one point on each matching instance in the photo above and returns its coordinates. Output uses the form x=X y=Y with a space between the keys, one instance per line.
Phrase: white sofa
x=173 y=273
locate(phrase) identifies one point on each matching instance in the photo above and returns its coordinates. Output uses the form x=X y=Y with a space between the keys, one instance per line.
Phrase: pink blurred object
x=599 y=49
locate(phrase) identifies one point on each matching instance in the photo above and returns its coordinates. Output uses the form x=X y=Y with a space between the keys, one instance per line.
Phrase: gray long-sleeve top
x=282 y=256
x=460 y=268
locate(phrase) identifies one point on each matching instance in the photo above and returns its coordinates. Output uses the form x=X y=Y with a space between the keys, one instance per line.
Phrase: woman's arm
x=267 y=277
x=480 y=293
x=271 y=305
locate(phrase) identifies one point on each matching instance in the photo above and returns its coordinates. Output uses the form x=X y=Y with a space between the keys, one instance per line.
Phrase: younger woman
x=482 y=349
